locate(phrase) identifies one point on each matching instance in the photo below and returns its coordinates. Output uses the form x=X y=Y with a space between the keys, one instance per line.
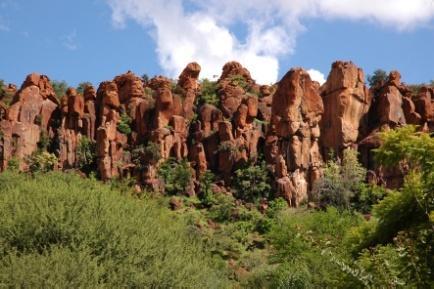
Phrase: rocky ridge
x=293 y=125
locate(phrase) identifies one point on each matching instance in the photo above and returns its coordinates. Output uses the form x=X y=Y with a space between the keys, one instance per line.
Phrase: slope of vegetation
x=62 y=231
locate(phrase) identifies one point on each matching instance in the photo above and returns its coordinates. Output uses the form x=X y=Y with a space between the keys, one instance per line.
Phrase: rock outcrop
x=135 y=126
x=346 y=100
x=293 y=135
x=30 y=116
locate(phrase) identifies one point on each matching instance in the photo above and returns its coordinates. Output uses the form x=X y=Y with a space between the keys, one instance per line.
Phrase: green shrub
x=41 y=162
x=378 y=79
x=206 y=195
x=59 y=88
x=143 y=155
x=86 y=154
x=124 y=125
x=14 y=164
x=307 y=247
x=44 y=141
x=239 y=80
x=208 y=93
x=82 y=86
x=177 y=176
x=401 y=233
x=62 y=231
x=5 y=97
x=252 y=182
x=342 y=181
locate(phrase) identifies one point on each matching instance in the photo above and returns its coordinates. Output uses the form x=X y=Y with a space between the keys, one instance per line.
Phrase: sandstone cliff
x=293 y=125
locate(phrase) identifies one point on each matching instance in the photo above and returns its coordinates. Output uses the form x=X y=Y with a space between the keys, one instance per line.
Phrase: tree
x=378 y=78
x=59 y=87
x=82 y=86
x=2 y=91
x=124 y=125
x=145 y=78
x=341 y=182
x=252 y=182
x=86 y=154
x=177 y=176
x=404 y=219
x=208 y=93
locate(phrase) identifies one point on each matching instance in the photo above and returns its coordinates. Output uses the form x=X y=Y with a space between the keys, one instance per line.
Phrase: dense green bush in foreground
x=62 y=231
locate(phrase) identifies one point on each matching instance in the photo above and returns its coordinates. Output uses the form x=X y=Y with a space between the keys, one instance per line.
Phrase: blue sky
x=95 y=40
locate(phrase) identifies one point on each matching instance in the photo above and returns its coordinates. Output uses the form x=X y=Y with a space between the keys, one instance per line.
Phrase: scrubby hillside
x=62 y=231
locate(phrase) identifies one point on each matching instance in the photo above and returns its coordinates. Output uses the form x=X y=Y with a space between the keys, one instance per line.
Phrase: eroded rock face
x=392 y=107
x=292 y=140
x=28 y=117
x=188 y=81
x=346 y=100
x=293 y=124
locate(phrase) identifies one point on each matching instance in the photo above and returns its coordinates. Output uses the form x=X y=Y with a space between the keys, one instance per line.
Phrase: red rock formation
x=392 y=107
x=290 y=123
x=70 y=132
x=29 y=115
x=346 y=100
x=188 y=81
x=293 y=135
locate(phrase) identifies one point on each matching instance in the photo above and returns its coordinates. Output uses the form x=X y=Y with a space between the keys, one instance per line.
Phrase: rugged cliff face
x=293 y=125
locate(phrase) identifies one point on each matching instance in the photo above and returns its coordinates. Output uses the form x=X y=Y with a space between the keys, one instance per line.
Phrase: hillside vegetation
x=59 y=230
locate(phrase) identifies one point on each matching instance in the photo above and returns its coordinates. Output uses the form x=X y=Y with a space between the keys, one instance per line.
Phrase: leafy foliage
x=82 y=86
x=206 y=194
x=307 y=249
x=239 y=80
x=378 y=78
x=41 y=161
x=86 y=154
x=402 y=218
x=342 y=181
x=252 y=182
x=62 y=231
x=59 y=87
x=5 y=96
x=124 y=125
x=13 y=164
x=208 y=93
x=143 y=155
x=177 y=176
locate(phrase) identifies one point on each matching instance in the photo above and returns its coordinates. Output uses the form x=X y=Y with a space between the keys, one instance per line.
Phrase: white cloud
x=202 y=32
x=70 y=41
x=317 y=75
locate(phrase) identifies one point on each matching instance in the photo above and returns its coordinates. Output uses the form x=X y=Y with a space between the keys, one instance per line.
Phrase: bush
x=5 y=96
x=252 y=182
x=41 y=162
x=402 y=219
x=177 y=176
x=307 y=248
x=342 y=181
x=208 y=93
x=59 y=88
x=239 y=80
x=143 y=155
x=86 y=154
x=44 y=141
x=61 y=231
x=378 y=79
x=82 y=86
x=206 y=195
x=14 y=164
x=124 y=125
